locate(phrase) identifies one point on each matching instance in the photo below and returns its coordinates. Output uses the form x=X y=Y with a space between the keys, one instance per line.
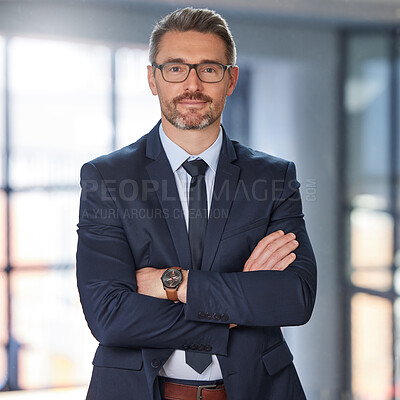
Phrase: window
x=371 y=213
x=66 y=104
x=137 y=108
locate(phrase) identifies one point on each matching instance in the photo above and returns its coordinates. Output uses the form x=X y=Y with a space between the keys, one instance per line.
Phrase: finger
x=280 y=242
x=280 y=254
x=285 y=262
x=264 y=242
x=268 y=261
x=258 y=250
x=273 y=252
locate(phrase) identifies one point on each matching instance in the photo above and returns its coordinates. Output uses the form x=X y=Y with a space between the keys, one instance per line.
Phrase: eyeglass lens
x=178 y=72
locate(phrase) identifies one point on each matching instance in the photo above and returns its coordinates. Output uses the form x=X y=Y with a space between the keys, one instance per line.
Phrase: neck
x=193 y=141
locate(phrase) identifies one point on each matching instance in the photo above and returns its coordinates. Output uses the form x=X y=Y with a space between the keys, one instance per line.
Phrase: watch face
x=172 y=278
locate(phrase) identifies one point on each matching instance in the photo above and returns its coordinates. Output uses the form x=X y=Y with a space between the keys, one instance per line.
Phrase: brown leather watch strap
x=172 y=294
x=171 y=287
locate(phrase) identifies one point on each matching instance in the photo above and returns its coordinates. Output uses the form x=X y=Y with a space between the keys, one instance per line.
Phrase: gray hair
x=200 y=20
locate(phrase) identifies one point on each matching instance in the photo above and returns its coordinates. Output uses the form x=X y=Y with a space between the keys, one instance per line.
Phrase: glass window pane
x=367 y=96
x=396 y=281
x=397 y=244
x=3 y=326
x=376 y=280
x=397 y=253
x=3 y=310
x=397 y=347
x=3 y=365
x=48 y=322
x=138 y=109
x=2 y=121
x=398 y=131
x=371 y=239
x=3 y=231
x=60 y=109
x=371 y=342
x=44 y=228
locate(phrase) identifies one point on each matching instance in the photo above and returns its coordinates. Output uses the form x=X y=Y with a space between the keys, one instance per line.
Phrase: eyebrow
x=181 y=60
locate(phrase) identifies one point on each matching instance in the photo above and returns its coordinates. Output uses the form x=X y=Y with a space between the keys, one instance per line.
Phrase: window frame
x=393 y=152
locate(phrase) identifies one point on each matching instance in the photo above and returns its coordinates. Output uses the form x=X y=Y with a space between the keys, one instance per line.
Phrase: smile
x=192 y=103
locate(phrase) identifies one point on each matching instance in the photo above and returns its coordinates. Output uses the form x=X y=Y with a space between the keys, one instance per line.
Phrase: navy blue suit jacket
x=131 y=217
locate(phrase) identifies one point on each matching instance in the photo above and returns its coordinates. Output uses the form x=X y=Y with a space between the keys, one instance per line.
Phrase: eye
x=209 y=69
x=174 y=68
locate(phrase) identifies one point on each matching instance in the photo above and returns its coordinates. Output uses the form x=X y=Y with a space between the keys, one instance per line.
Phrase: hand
x=274 y=252
x=149 y=283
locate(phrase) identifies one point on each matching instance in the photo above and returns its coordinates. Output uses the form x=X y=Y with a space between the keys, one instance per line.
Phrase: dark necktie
x=198 y=216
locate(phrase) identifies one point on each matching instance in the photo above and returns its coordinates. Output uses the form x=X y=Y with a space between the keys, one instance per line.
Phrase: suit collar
x=154 y=147
x=177 y=155
x=228 y=151
x=226 y=179
x=163 y=181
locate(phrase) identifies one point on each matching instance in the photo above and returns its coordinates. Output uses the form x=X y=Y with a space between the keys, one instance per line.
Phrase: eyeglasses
x=178 y=72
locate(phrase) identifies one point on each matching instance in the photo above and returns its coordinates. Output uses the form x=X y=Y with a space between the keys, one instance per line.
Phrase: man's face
x=192 y=104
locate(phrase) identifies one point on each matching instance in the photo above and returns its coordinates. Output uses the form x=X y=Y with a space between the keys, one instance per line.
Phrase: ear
x=233 y=77
x=151 y=79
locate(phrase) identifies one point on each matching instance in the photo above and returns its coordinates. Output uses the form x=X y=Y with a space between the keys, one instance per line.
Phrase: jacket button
x=186 y=347
x=208 y=316
x=217 y=316
x=201 y=315
x=208 y=348
x=194 y=347
x=224 y=317
x=201 y=347
x=155 y=363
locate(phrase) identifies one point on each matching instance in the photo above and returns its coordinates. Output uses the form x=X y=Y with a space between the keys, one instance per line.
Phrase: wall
x=293 y=115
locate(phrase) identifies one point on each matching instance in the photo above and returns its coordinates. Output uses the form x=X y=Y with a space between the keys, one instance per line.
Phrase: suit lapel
x=161 y=175
x=226 y=180
x=224 y=191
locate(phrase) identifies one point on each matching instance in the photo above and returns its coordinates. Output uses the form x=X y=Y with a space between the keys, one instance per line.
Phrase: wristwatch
x=171 y=279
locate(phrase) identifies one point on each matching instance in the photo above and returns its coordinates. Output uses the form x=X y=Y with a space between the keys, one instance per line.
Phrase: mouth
x=192 y=100
x=192 y=103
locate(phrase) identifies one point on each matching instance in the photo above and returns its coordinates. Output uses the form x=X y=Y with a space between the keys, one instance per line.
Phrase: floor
x=58 y=394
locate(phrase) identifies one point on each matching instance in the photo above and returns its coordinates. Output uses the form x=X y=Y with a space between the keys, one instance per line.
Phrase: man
x=192 y=248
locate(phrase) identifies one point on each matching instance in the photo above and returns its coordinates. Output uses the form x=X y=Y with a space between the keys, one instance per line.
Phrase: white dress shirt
x=176 y=367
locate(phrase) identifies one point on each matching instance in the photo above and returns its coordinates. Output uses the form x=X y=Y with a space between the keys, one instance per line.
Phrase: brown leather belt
x=177 y=391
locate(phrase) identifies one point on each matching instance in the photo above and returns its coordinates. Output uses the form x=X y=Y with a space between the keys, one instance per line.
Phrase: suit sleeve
x=116 y=314
x=262 y=298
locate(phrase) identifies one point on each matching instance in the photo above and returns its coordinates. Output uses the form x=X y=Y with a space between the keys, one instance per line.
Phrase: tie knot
x=195 y=167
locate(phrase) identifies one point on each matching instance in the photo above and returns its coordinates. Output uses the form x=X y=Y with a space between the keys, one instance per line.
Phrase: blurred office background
x=319 y=84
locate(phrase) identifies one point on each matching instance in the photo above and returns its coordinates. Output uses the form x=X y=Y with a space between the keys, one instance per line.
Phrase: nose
x=192 y=82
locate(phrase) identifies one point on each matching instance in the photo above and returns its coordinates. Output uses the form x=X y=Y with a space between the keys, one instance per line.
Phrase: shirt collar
x=176 y=155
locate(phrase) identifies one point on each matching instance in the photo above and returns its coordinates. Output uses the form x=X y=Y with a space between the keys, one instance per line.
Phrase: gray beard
x=179 y=122
x=190 y=121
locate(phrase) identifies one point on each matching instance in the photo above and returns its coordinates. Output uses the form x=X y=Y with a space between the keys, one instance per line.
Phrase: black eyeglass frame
x=192 y=66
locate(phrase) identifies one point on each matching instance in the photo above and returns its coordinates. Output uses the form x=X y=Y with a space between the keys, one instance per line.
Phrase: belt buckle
x=200 y=389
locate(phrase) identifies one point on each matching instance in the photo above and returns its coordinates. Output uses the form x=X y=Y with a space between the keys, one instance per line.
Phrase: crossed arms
x=275 y=287
x=273 y=252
